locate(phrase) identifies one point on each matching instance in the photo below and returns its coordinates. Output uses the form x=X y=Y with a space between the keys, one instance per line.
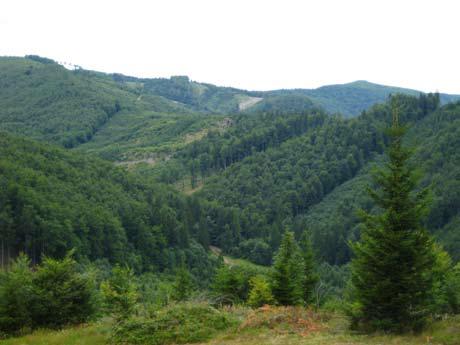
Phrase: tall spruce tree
x=287 y=276
x=310 y=277
x=391 y=270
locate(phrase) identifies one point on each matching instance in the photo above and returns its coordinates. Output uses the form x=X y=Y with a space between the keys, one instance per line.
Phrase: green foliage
x=43 y=100
x=283 y=104
x=231 y=283
x=275 y=187
x=310 y=175
x=445 y=296
x=16 y=296
x=120 y=293
x=175 y=324
x=256 y=250
x=260 y=292
x=53 y=200
x=332 y=285
x=183 y=285
x=310 y=276
x=392 y=270
x=453 y=288
x=155 y=291
x=53 y=295
x=288 y=272
x=62 y=295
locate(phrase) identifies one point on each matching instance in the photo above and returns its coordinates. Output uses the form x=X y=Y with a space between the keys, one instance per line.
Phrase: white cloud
x=248 y=44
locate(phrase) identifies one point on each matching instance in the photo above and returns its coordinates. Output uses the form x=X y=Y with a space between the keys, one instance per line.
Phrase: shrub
x=175 y=324
x=231 y=283
x=183 y=285
x=16 y=296
x=283 y=319
x=62 y=294
x=453 y=289
x=260 y=292
x=120 y=293
x=53 y=295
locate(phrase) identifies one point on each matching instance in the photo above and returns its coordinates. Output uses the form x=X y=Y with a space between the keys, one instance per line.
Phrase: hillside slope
x=42 y=100
x=349 y=99
x=140 y=119
x=317 y=180
x=53 y=200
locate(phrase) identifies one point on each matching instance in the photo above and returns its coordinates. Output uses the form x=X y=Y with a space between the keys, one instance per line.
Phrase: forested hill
x=316 y=178
x=52 y=200
x=43 y=100
x=258 y=163
x=347 y=99
x=132 y=120
x=352 y=98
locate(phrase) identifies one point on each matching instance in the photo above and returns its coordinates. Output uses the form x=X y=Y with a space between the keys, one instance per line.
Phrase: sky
x=251 y=44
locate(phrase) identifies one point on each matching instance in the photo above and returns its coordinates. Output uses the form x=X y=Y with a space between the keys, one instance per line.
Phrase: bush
x=260 y=293
x=16 y=296
x=231 y=283
x=453 y=289
x=176 y=324
x=120 y=293
x=183 y=285
x=53 y=295
x=62 y=295
x=282 y=319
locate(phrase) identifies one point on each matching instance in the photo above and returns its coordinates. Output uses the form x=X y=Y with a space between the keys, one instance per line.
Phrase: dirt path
x=249 y=102
x=217 y=251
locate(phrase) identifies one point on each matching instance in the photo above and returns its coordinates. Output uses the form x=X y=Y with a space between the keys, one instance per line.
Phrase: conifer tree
x=310 y=277
x=16 y=296
x=120 y=293
x=391 y=271
x=183 y=284
x=287 y=276
x=260 y=292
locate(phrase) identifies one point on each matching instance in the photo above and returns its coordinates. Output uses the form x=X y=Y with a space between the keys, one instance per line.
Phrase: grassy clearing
x=93 y=334
x=231 y=261
x=267 y=325
x=282 y=330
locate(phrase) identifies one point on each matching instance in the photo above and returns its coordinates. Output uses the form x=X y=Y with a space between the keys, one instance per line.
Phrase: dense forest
x=256 y=174
x=162 y=191
x=53 y=200
x=296 y=171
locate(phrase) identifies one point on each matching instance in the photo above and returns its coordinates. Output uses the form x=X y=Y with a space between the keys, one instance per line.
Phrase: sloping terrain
x=317 y=180
x=42 y=100
x=283 y=163
x=53 y=200
x=351 y=99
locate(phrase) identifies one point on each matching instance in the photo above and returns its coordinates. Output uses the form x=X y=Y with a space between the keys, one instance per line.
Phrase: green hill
x=348 y=99
x=42 y=100
x=53 y=200
x=352 y=98
x=146 y=120
x=260 y=162
x=316 y=178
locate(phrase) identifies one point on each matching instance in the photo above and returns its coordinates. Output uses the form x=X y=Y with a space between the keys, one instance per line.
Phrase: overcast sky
x=256 y=45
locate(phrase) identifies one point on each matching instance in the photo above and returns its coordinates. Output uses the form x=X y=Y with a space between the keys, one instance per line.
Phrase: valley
x=180 y=197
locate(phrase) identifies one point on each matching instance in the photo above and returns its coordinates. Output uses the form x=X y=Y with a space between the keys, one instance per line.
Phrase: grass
x=231 y=261
x=272 y=325
x=335 y=332
x=92 y=334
